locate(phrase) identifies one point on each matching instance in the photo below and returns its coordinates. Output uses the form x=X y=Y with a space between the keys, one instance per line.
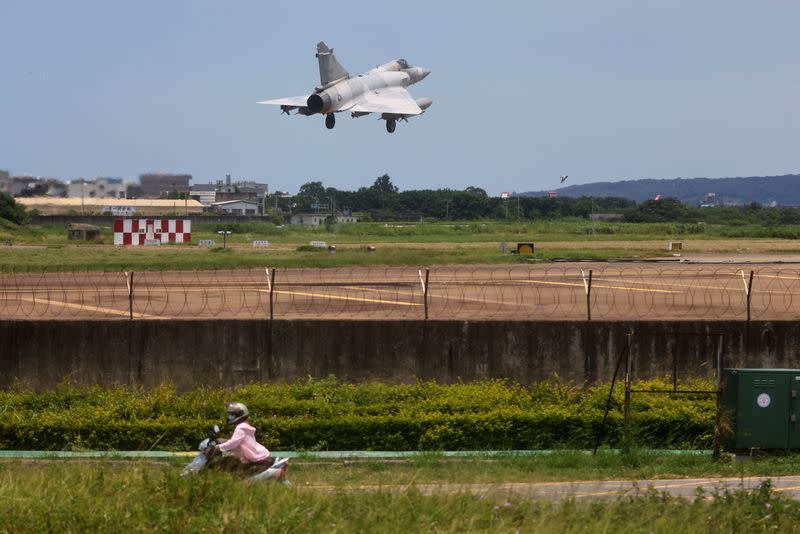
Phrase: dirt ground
x=708 y=286
x=591 y=489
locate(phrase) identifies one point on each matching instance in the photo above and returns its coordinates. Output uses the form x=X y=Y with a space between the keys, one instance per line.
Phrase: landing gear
x=391 y=124
x=330 y=121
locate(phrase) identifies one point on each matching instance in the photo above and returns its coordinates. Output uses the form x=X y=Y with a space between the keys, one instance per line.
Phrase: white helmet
x=237 y=412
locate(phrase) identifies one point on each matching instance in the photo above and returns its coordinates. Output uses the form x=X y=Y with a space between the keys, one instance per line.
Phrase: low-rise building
x=158 y=185
x=206 y=194
x=100 y=187
x=106 y=206
x=83 y=232
x=29 y=186
x=320 y=218
x=242 y=190
x=238 y=207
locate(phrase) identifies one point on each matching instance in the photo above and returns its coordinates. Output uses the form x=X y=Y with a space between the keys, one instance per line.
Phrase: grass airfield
x=46 y=248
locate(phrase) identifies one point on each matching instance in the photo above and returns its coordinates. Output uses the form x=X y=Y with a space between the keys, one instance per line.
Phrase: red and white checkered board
x=135 y=231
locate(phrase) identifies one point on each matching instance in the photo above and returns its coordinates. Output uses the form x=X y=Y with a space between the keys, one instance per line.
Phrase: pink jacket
x=243 y=444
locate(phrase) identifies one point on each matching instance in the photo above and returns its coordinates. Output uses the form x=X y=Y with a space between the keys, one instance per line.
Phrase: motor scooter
x=207 y=448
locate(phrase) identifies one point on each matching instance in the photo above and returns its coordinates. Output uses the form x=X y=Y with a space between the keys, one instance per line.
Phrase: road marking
x=774 y=276
x=672 y=284
x=447 y=297
x=87 y=307
x=372 y=289
x=338 y=297
x=597 y=286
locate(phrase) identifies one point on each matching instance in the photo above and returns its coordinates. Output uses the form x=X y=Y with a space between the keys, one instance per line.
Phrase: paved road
x=553 y=292
x=587 y=490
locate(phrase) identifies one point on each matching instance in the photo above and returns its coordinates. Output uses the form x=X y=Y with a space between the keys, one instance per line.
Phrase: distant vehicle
x=380 y=90
x=657 y=197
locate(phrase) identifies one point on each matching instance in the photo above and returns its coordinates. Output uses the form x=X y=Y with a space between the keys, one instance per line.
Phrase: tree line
x=383 y=200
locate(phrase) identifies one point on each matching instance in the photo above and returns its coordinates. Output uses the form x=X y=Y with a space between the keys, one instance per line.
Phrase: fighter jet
x=380 y=90
x=564 y=178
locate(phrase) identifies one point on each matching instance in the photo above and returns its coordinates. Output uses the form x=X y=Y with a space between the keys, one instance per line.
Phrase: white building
x=319 y=218
x=237 y=207
x=97 y=188
x=206 y=194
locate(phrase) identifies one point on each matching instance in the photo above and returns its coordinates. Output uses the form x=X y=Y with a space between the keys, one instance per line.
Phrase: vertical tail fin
x=330 y=70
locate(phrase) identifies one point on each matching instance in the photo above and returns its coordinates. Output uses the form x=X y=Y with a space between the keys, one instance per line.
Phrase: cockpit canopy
x=393 y=66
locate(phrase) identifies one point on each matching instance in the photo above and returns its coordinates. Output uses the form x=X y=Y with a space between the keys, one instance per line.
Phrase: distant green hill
x=783 y=190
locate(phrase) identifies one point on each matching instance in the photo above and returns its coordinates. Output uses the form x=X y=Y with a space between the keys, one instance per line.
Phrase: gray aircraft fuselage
x=380 y=90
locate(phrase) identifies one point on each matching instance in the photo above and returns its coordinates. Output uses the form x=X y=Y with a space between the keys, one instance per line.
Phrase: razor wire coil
x=518 y=292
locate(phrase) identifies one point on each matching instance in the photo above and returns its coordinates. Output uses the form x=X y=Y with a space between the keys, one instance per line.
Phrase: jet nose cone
x=423 y=72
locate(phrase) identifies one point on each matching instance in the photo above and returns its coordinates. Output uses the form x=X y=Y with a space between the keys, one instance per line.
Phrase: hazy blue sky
x=522 y=91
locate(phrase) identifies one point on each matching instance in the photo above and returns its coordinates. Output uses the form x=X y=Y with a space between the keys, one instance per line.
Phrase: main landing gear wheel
x=330 y=121
x=391 y=124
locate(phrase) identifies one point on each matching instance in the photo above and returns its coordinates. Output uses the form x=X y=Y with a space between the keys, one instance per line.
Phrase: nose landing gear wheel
x=391 y=124
x=330 y=121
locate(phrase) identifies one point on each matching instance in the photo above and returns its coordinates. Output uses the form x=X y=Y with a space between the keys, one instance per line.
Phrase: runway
x=566 y=291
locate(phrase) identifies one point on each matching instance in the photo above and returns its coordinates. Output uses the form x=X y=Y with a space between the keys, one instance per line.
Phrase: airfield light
x=224 y=234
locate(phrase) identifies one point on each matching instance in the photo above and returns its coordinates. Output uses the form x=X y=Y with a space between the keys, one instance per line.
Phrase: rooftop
x=135 y=202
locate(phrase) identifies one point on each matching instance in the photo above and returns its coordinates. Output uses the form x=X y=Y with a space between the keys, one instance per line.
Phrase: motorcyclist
x=242 y=444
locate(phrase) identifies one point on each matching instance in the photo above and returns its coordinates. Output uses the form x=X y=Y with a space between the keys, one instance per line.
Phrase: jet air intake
x=424 y=103
x=319 y=103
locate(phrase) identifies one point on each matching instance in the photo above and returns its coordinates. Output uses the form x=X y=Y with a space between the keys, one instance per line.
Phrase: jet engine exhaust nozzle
x=319 y=103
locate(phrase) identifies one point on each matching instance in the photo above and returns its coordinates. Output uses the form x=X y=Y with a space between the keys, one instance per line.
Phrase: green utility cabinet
x=761 y=408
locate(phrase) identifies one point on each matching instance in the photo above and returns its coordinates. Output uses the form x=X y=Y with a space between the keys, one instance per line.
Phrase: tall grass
x=66 y=497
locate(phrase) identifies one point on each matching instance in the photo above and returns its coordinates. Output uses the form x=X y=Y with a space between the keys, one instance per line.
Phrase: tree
x=11 y=211
x=384 y=185
x=384 y=189
x=664 y=210
x=310 y=196
x=312 y=189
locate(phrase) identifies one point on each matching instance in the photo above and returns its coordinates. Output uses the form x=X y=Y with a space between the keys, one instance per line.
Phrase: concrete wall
x=190 y=353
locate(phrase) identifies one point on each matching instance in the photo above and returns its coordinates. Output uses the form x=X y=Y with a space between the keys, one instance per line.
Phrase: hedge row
x=329 y=415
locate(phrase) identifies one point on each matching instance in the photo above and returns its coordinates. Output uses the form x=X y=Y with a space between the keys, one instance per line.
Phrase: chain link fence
x=552 y=292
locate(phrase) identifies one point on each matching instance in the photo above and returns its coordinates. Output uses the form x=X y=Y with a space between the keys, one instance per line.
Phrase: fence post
x=748 y=288
x=129 y=283
x=271 y=286
x=718 y=418
x=588 y=288
x=424 y=282
x=627 y=405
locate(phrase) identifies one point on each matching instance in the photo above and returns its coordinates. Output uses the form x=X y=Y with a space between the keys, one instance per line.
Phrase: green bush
x=327 y=414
